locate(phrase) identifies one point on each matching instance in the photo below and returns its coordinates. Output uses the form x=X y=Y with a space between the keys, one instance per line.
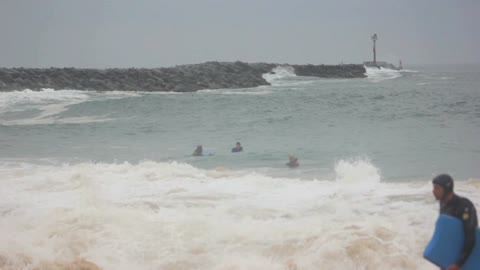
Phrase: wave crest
x=278 y=73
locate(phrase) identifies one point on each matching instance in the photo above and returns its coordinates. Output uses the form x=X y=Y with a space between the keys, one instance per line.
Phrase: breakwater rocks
x=330 y=71
x=184 y=78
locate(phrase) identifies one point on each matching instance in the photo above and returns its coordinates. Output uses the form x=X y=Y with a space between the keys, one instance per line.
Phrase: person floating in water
x=292 y=161
x=198 y=151
x=238 y=148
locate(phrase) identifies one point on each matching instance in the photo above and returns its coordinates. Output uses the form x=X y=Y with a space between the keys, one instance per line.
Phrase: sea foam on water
x=175 y=216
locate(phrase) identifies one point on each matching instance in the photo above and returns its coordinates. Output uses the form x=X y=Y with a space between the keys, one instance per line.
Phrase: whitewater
x=107 y=180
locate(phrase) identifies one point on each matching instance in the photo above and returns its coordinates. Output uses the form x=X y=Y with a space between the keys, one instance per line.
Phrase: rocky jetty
x=184 y=78
x=330 y=71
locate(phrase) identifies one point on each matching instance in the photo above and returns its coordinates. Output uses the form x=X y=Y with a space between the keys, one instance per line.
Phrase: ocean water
x=109 y=177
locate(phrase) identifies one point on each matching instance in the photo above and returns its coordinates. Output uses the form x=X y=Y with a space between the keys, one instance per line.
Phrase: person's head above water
x=238 y=148
x=198 y=151
x=442 y=186
x=292 y=161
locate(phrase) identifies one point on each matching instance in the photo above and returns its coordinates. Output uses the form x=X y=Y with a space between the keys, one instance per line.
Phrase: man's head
x=237 y=144
x=442 y=186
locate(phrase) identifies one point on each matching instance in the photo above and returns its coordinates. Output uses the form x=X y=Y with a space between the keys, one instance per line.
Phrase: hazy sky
x=121 y=33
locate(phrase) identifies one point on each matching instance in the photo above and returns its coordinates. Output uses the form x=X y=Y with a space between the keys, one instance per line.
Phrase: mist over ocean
x=108 y=176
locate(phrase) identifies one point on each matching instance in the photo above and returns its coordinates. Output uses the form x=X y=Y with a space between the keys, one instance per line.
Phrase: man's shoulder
x=465 y=202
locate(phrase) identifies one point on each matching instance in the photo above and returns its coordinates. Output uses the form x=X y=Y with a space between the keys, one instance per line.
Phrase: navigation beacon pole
x=374 y=38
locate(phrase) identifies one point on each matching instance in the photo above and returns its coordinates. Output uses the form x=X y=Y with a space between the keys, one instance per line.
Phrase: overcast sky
x=121 y=33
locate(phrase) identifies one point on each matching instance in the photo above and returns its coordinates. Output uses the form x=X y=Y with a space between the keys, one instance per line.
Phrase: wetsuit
x=198 y=152
x=292 y=163
x=463 y=209
x=237 y=149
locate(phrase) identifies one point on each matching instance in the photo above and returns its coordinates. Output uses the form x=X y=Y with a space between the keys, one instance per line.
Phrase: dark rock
x=330 y=71
x=184 y=78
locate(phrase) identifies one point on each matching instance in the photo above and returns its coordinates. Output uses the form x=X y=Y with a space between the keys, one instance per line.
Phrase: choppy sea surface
x=108 y=177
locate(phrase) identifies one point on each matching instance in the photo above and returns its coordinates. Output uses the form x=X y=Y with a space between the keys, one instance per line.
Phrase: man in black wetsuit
x=462 y=208
x=238 y=148
x=198 y=151
x=292 y=161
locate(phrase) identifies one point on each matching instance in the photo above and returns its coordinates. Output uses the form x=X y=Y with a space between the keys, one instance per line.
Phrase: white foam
x=174 y=216
x=254 y=92
x=162 y=93
x=51 y=103
x=349 y=171
x=381 y=74
x=278 y=73
x=209 y=91
x=28 y=98
x=48 y=113
x=251 y=93
x=117 y=94
x=52 y=120
x=409 y=71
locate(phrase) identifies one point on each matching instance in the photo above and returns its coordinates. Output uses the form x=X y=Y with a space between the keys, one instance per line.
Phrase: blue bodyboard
x=446 y=244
